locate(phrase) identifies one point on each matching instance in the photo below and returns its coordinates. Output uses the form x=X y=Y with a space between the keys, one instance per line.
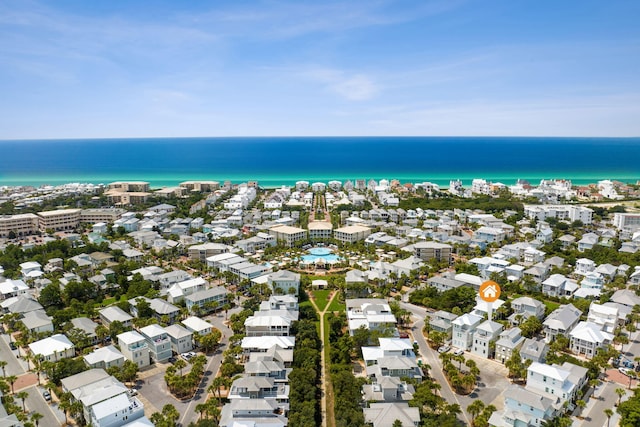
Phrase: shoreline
x=272 y=182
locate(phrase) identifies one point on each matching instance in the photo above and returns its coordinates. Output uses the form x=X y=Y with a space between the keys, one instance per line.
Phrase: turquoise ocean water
x=278 y=161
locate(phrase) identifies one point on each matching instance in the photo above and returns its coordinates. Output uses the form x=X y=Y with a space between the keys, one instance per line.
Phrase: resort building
x=287 y=235
x=351 y=233
x=105 y=215
x=200 y=186
x=19 y=225
x=562 y=212
x=429 y=250
x=320 y=230
x=59 y=220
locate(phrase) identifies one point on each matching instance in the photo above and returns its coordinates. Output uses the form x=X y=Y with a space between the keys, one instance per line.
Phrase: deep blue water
x=275 y=161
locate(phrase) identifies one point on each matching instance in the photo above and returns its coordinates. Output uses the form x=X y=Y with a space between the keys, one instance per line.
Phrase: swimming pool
x=320 y=253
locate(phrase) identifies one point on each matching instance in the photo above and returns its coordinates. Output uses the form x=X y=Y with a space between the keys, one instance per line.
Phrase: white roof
x=111 y=406
x=104 y=354
x=590 y=332
x=130 y=337
x=153 y=330
x=549 y=371
x=10 y=286
x=268 y=342
x=51 y=345
x=196 y=324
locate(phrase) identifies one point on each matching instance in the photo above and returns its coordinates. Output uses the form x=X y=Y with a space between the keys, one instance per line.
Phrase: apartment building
x=59 y=220
x=19 y=225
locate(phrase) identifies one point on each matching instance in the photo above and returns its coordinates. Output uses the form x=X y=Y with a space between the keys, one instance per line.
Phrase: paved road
x=594 y=412
x=14 y=367
x=431 y=357
x=52 y=416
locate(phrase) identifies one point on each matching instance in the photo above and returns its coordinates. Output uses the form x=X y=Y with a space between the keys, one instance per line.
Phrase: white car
x=444 y=349
x=458 y=352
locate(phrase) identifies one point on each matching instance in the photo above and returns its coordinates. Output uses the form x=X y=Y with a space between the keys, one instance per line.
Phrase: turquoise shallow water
x=283 y=161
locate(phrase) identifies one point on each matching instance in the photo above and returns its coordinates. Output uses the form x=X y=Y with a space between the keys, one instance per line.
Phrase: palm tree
x=3 y=363
x=65 y=405
x=36 y=417
x=11 y=379
x=620 y=392
x=609 y=413
x=474 y=409
x=201 y=408
x=179 y=364
x=22 y=395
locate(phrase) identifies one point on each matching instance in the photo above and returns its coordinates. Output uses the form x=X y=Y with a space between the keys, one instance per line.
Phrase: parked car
x=46 y=395
x=12 y=345
x=459 y=352
x=444 y=349
x=625 y=371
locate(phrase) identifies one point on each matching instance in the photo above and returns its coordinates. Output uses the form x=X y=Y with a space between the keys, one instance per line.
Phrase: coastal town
x=335 y=304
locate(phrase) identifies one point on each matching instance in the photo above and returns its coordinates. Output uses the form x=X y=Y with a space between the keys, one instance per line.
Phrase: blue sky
x=102 y=69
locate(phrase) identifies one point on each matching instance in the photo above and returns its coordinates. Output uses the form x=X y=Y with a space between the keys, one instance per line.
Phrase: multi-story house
x=607 y=316
x=559 y=286
x=284 y=282
x=113 y=313
x=524 y=408
x=105 y=358
x=197 y=325
x=53 y=348
x=395 y=366
x=388 y=389
x=255 y=387
x=560 y=322
x=158 y=342
x=388 y=347
x=509 y=340
x=253 y=412
x=483 y=336
x=370 y=314
x=207 y=300
x=181 y=338
x=525 y=307
x=135 y=348
x=267 y=325
x=584 y=266
x=463 y=329
x=587 y=337
x=442 y=321
x=534 y=350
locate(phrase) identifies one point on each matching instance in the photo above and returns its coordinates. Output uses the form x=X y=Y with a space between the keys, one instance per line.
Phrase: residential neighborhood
x=364 y=303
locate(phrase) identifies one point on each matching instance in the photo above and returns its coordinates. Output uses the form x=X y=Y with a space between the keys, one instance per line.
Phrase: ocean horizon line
x=266 y=137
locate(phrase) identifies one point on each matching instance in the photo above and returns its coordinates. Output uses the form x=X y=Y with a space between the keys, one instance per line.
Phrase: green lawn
x=322 y=298
x=336 y=305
